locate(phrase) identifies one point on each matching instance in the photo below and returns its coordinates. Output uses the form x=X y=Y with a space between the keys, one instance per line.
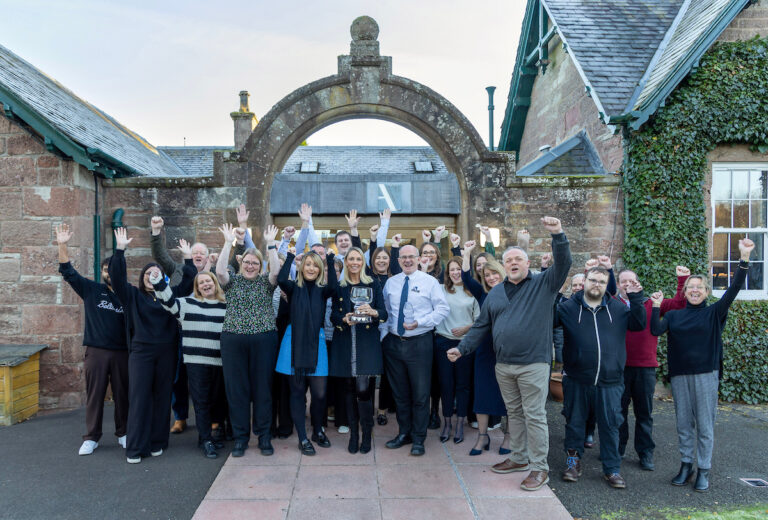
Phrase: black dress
x=367 y=360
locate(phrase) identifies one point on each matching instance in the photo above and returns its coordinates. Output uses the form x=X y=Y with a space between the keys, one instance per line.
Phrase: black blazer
x=368 y=345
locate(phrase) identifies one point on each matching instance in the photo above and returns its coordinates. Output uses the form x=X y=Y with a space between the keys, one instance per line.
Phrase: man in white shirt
x=416 y=305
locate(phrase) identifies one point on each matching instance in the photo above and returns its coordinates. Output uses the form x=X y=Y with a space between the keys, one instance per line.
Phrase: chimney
x=245 y=121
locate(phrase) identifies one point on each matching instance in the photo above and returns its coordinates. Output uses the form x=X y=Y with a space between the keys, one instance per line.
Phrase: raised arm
x=394 y=255
x=285 y=243
x=637 y=313
x=284 y=276
x=222 y=273
x=561 y=252
x=466 y=271
x=523 y=240
x=455 y=244
x=165 y=295
x=69 y=273
x=188 y=270
x=352 y=222
x=678 y=302
x=157 y=247
x=307 y=233
x=724 y=303
x=330 y=287
x=605 y=261
x=118 y=276
x=658 y=324
x=274 y=261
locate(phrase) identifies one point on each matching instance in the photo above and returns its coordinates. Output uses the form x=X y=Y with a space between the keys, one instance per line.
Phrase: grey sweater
x=521 y=327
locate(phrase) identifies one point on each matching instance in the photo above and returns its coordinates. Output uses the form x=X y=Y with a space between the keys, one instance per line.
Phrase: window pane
x=758 y=213
x=735 y=253
x=740 y=184
x=721 y=185
x=758 y=186
x=720 y=247
x=757 y=252
x=719 y=276
x=755 y=276
x=740 y=213
x=723 y=213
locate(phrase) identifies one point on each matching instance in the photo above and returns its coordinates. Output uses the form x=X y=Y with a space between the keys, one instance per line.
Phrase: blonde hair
x=496 y=267
x=314 y=257
x=704 y=281
x=364 y=278
x=217 y=295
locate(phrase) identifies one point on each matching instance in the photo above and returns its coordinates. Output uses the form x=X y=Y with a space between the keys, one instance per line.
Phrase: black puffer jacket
x=594 y=349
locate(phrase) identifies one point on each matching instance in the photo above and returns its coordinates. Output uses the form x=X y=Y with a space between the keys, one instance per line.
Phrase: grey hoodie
x=522 y=327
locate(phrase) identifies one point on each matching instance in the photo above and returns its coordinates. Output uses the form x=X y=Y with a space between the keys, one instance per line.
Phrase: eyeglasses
x=408 y=257
x=428 y=253
x=251 y=264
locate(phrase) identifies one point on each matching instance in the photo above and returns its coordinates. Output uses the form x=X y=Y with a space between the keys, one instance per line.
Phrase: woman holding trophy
x=357 y=309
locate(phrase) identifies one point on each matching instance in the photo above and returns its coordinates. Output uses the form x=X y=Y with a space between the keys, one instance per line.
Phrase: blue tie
x=401 y=314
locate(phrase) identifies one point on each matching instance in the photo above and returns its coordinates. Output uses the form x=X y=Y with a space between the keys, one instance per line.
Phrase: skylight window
x=423 y=166
x=309 y=167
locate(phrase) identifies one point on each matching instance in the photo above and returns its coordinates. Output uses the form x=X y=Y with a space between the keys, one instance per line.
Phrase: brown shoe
x=535 y=481
x=508 y=467
x=615 y=481
x=573 y=467
x=178 y=426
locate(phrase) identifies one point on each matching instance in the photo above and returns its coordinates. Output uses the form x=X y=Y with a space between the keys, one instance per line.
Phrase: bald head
x=409 y=259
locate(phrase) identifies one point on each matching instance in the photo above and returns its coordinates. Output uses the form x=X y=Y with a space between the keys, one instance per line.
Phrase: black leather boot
x=366 y=423
x=702 y=481
x=685 y=474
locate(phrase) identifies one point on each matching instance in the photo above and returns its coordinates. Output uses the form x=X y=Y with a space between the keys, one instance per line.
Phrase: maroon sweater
x=641 y=345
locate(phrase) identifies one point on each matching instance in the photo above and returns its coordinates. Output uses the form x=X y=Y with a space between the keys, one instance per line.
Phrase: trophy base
x=360 y=319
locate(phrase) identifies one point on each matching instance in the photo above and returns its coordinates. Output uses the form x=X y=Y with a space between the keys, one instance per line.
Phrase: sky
x=171 y=71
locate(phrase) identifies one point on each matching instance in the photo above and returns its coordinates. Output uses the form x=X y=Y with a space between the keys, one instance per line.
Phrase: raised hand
x=269 y=234
x=426 y=235
x=374 y=230
x=305 y=212
x=228 y=230
x=121 y=238
x=352 y=219
x=522 y=236
x=63 y=234
x=745 y=248
x=288 y=233
x=634 y=287
x=213 y=258
x=485 y=230
x=242 y=216
x=468 y=247
x=424 y=263
x=156 y=224
x=455 y=240
x=552 y=225
x=397 y=239
x=155 y=275
x=386 y=214
x=239 y=235
x=185 y=248
x=657 y=298
x=438 y=232
x=681 y=270
x=589 y=264
x=605 y=261
x=546 y=259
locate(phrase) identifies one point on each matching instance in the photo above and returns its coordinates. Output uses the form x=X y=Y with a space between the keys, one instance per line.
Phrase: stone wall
x=751 y=22
x=37 y=191
x=560 y=108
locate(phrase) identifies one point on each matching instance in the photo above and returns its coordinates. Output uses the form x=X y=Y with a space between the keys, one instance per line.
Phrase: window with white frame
x=739 y=205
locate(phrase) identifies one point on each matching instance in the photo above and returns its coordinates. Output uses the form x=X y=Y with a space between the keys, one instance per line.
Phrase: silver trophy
x=361 y=296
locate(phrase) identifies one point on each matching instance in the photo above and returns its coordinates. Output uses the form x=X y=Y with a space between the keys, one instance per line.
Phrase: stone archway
x=365 y=87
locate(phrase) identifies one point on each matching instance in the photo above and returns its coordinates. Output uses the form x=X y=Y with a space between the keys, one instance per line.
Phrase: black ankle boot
x=354 y=439
x=702 y=481
x=365 y=411
x=685 y=474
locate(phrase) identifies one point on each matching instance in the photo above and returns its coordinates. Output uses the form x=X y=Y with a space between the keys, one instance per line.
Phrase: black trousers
x=248 y=361
x=219 y=407
x=180 y=395
x=105 y=367
x=409 y=367
x=202 y=388
x=336 y=398
x=281 y=405
x=386 y=400
x=318 y=386
x=454 y=378
x=151 y=368
x=639 y=385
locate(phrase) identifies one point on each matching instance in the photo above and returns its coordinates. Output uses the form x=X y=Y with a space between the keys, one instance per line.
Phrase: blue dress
x=488 y=398
x=284 y=357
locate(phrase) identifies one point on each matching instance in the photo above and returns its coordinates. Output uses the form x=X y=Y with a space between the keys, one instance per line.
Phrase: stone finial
x=364 y=31
x=244 y=95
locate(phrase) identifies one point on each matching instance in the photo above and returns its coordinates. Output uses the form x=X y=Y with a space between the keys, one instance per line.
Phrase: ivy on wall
x=725 y=101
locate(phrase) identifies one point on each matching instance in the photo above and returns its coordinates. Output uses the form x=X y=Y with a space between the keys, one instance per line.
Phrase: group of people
x=250 y=336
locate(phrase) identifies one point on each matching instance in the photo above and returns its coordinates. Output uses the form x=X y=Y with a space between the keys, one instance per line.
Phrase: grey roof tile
x=194 y=161
x=79 y=120
x=364 y=159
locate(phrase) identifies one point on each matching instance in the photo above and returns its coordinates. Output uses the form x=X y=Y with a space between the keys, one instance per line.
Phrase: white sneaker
x=156 y=453
x=343 y=429
x=474 y=425
x=88 y=447
x=133 y=460
x=121 y=441
x=494 y=427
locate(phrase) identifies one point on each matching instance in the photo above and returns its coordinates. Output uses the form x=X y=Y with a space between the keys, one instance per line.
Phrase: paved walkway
x=383 y=484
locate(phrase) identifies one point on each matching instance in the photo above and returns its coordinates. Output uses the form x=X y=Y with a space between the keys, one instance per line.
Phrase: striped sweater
x=201 y=322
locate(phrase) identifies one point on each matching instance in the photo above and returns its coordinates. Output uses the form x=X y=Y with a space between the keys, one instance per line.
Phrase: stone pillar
x=245 y=121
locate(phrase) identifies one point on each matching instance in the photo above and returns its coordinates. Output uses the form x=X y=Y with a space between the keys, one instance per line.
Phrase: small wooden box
x=19 y=382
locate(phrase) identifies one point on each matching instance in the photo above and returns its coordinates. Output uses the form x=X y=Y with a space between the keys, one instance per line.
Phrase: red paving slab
x=383 y=484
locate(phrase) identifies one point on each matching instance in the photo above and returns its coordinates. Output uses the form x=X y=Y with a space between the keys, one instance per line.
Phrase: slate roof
x=613 y=41
x=364 y=159
x=92 y=129
x=194 y=161
x=574 y=156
